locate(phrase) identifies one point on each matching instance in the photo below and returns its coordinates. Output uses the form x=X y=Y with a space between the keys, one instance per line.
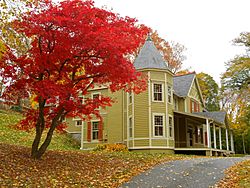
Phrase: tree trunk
x=39 y=129
x=38 y=152
x=243 y=144
x=36 y=141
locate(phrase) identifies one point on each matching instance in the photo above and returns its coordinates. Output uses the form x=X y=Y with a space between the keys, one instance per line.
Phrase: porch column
x=208 y=134
x=232 y=141
x=220 y=137
x=227 y=139
x=215 y=147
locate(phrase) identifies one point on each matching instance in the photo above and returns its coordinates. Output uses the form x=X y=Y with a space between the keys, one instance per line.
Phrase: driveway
x=193 y=173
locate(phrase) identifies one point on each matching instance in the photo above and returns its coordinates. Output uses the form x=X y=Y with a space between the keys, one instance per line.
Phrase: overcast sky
x=205 y=27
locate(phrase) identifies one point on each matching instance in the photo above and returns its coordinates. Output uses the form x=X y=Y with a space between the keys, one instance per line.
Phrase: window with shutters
x=95 y=130
x=194 y=106
x=158 y=125
x=158 y=92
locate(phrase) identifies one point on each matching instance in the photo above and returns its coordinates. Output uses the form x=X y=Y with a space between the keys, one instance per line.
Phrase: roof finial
x=149 y=37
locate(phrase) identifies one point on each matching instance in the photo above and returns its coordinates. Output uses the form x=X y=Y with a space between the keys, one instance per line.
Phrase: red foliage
x=74 y=47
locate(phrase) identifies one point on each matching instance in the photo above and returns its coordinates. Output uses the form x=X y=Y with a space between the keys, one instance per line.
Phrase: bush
x=111 y=147
x=16 y=108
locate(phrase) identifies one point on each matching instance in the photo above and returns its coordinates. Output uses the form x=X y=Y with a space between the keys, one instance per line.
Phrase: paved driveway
x=193 y=173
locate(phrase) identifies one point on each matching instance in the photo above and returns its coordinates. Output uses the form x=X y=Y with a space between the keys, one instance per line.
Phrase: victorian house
x=170 y=116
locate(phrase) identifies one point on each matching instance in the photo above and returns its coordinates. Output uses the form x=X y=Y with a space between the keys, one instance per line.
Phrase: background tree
x=75 y=46
x=236 y=93
x=171 y=51
x=210 y=91
x=13 y=9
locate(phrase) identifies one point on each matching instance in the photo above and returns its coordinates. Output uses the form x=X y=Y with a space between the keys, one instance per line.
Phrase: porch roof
x=199 y=116
x=218 y=116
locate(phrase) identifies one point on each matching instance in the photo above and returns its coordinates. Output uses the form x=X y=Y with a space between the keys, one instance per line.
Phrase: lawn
x=10 y=135
x=64 y=165
x=238 y=176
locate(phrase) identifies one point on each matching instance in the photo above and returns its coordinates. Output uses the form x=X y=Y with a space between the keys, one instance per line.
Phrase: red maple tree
x=74 y=46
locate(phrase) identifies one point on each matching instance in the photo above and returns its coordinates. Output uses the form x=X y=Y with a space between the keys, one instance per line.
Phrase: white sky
x=205 y=27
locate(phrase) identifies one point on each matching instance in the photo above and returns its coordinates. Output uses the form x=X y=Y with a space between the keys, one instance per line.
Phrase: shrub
x=111 y=147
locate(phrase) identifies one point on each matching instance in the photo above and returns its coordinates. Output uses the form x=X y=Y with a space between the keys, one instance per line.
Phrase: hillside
x=10 y=135
x=64 y=165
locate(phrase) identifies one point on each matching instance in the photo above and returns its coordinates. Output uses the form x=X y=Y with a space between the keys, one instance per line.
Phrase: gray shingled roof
x=182 y=84
x=150 y=57
x=218 y=116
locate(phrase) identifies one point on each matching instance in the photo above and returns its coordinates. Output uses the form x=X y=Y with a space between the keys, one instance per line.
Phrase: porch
x=197 y=134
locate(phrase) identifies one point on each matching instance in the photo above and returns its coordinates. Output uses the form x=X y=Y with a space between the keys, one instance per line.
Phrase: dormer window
x=158 y=92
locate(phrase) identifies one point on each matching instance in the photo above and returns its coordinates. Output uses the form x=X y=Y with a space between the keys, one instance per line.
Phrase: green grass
x=10 y=135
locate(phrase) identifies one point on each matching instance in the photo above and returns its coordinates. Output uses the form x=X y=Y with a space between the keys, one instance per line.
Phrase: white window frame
x=130 y=127
x=82 y=99
x=170 y=128
x=163 y=124
x=96 y=93
x=162 y=92
x=92 y=130
x=170 y=88
x=76 y=122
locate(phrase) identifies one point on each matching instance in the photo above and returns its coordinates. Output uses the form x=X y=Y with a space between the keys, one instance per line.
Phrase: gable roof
x=150 y=57
x=218 y=116
x=182 y=84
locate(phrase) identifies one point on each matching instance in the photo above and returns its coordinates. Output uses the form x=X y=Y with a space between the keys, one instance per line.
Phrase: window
x=170 y=125
x=81 y=99
x=176 y=104
x=130 y=98
x=158 y=125
x=78 y=123
x=169 y=94
x=95 y=128
x=194 y=106
x=96 y=96
x=130 y=127
x=158 y=95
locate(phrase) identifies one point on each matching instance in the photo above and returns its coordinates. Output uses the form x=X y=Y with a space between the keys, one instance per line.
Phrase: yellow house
x=168 y=117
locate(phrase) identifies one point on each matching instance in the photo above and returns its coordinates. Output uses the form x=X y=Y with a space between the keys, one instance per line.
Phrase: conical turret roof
x=150 y=57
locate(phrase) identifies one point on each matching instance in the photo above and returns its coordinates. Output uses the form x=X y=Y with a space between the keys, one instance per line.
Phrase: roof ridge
x=193 y=72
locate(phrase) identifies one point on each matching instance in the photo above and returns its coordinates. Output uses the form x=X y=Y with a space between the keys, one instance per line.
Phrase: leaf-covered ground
x=72 y=168
x=64 y=166
x=238 y=176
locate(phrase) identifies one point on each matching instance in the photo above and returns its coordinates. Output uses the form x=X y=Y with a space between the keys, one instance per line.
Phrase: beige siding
x=141 y=143
x=160 y=142
x=115 y=119
x=71 y=126
x=157 y=75
x=141 y=129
